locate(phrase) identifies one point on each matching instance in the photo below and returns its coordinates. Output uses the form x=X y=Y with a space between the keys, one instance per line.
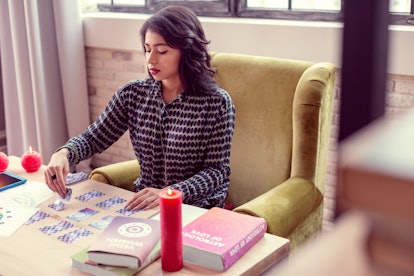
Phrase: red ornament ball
x=4 y=161
x=31 y=161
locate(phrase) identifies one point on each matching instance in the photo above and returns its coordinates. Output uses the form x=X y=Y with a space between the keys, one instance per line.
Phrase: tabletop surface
x=29 y=249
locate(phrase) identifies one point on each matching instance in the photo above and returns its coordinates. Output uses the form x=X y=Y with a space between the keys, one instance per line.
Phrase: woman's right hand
x=56 y=172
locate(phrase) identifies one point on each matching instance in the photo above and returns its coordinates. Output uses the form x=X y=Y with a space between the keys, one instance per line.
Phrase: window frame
x=239 y=9
x=214 y=8
x=243 y=11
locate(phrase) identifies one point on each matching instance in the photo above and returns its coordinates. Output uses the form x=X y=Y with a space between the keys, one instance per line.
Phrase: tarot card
x=67 y=197
x=89 y=196
x=102 y=223
x=126 y=212
x=61 y=203
x=39 y=215
x=75 y=235
x=82 y=214
x=60 y=226
x=57 y=205
x=75 y=177
x=108 y=203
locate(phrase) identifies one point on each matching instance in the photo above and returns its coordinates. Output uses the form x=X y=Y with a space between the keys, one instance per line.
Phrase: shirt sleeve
x=102 y=133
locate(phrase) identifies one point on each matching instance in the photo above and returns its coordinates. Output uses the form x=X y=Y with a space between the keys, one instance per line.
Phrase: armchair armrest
x=122 y=174
x=285 y=206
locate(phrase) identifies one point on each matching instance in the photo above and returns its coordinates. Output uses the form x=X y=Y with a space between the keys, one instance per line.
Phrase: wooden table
x=29 y=251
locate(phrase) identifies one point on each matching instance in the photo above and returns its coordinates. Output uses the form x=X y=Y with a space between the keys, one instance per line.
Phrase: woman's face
x=162 y=60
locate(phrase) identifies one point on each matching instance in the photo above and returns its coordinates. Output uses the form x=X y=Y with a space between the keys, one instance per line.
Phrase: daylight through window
x=318 y=10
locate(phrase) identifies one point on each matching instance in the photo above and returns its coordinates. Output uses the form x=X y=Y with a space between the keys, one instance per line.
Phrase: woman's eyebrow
x=157 y=44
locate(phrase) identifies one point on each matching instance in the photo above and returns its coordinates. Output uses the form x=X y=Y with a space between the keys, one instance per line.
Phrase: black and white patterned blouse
x=184 y=144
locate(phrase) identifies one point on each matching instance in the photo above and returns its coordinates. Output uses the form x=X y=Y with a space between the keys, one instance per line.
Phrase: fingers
x=54 y=184
x=55 y=180
x=139 y=204
x=144 y=200
x=56 y=172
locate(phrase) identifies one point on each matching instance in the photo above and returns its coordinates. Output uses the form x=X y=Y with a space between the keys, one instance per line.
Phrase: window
x=402 y=11
x=200 y=7
x=333 y=5
x=314 y=10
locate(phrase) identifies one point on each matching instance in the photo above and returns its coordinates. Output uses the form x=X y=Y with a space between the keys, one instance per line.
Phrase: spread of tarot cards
x=78 y=216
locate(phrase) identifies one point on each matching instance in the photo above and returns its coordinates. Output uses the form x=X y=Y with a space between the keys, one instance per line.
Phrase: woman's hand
x=56 y=172
x=145 y=199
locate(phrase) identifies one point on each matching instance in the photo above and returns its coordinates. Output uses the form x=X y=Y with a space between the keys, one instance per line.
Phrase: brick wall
x=108 y=69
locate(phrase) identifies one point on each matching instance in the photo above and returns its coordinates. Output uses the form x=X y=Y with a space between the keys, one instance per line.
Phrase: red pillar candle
x=31 y=160
x=171 y=230
x=4 y=161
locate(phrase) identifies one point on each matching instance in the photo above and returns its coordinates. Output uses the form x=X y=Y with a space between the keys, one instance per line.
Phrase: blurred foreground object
x=376 y=175
x=373 y=231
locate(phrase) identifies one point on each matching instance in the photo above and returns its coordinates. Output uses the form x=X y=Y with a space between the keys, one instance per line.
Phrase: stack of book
x=219 y=237
x=125 y=247
x=216 y=239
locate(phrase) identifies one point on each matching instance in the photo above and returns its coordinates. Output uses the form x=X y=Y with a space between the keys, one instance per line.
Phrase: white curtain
x=43 y=74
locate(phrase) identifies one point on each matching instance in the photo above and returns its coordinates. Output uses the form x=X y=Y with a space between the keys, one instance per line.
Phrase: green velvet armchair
x=280 y=144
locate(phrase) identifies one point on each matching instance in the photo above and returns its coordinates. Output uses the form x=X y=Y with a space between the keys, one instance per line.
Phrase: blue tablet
x=9 y=180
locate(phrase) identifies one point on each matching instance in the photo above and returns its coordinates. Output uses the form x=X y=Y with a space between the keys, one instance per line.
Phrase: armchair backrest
x=283 y=112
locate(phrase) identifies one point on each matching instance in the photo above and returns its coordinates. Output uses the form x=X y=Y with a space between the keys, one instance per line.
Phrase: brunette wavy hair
x=182 y=30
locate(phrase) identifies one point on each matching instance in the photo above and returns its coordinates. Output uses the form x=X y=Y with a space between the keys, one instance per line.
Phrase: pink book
x=126 y=242
x=219 y=237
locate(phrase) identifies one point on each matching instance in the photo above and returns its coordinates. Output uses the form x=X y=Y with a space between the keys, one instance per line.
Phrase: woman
x=180 y=122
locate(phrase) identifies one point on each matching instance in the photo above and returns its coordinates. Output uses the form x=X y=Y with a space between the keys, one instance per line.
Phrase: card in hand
x=61 y=203
x=67 y=197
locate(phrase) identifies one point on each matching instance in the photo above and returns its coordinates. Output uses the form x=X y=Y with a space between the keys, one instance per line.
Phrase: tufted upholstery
x=280 y=144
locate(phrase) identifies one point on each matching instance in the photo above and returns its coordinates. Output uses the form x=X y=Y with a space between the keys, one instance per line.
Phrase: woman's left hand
x=145 y=199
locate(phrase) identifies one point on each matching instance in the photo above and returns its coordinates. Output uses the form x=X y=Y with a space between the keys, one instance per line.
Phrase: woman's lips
x=154 y=71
